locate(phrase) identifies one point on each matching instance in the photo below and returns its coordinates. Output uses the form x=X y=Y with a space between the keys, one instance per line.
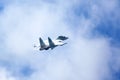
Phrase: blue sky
x=93 y=48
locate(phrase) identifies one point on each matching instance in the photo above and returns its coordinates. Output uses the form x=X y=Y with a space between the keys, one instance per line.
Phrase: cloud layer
x=87 y=56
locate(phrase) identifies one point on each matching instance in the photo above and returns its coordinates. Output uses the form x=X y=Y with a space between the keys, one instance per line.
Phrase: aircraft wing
x=42 y=44
x=51 y=43
x=62 y=37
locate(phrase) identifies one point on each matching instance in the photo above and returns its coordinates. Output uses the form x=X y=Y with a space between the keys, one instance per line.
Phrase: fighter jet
x=45 y=45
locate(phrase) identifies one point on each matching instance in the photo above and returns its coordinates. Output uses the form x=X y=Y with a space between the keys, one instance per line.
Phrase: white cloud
x=82 y=58
x=5 y=75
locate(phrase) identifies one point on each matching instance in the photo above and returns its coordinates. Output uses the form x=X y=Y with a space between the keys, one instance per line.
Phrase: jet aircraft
x=45 y=45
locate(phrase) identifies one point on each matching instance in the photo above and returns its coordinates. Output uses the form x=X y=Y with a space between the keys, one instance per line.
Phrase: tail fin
x=42 y=44
x=51 y=43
